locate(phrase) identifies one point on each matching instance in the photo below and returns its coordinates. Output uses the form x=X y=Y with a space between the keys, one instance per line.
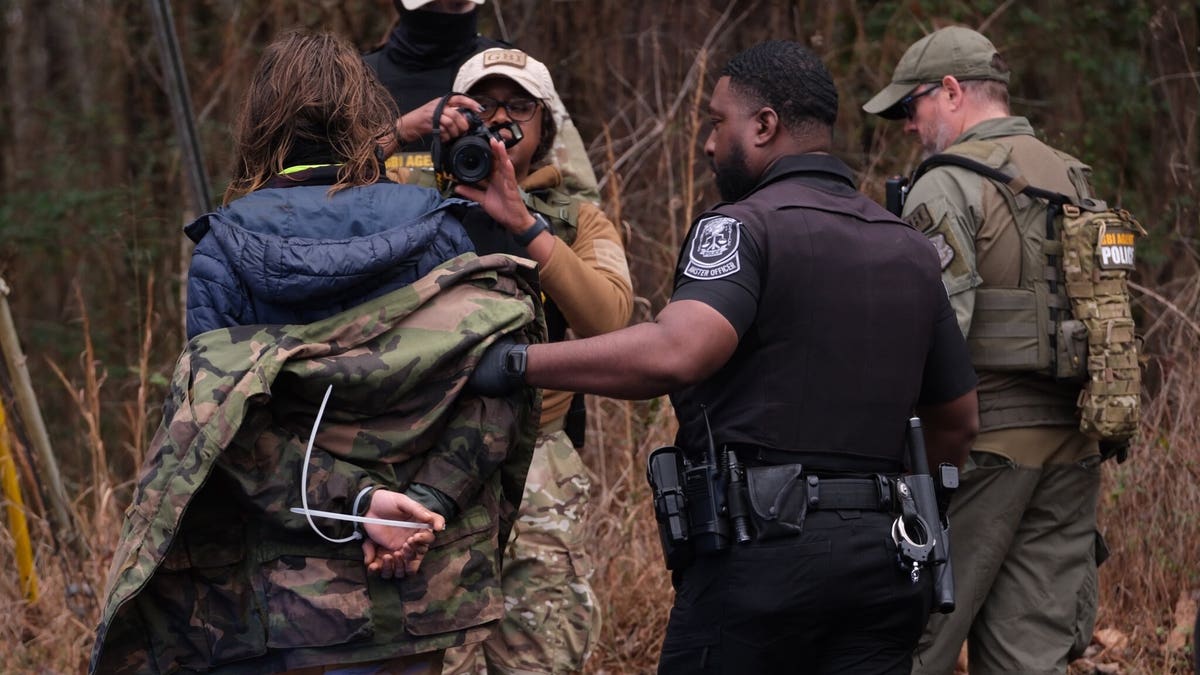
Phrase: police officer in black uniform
x=806 y=326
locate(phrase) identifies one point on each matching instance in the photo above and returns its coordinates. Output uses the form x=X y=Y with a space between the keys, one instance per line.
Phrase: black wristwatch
x=514 y=363
x=539 y=226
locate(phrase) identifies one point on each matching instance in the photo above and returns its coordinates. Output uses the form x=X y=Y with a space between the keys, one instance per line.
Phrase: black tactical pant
x=831 y=600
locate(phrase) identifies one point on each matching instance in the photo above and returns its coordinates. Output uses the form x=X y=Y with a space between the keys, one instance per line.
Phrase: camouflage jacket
x=213 y=573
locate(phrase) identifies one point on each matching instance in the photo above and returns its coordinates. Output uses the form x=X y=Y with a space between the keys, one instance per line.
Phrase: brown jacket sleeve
x=589 y=280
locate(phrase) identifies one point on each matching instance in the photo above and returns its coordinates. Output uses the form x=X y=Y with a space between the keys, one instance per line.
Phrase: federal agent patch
x=713 y=252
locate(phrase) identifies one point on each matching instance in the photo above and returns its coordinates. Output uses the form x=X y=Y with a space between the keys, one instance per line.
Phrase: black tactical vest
x=831 y=368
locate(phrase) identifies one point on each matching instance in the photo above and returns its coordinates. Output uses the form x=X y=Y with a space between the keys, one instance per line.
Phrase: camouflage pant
x=1022 y=541
x=551 y=615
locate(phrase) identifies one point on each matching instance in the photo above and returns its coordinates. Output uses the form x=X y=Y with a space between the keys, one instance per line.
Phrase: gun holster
x=665 y=473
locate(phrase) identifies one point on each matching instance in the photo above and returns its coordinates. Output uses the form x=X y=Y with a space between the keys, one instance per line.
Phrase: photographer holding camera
x=552 y=617
x=417 y=63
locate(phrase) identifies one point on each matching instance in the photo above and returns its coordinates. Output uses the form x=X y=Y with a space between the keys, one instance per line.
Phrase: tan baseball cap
x=513 y=64
x=418 y=4
x=954 y=50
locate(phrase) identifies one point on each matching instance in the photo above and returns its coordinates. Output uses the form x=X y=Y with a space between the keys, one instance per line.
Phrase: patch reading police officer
x=714 y=250
x=1115 y=249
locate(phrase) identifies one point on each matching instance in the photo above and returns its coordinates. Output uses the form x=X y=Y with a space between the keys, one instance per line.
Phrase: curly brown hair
x=314 y=89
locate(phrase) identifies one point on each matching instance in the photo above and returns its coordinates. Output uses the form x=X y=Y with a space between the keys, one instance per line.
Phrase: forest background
x=94 y=198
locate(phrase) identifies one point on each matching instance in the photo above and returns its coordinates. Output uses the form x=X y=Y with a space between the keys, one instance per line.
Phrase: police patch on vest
x=1114 y=251
x=714 y=249
x=944 y=250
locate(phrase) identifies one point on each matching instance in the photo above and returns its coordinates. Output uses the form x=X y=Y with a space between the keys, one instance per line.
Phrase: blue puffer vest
x=297 y=255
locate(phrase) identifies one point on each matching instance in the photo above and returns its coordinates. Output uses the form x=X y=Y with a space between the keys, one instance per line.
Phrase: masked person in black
x=806 y=325
x=417 y=66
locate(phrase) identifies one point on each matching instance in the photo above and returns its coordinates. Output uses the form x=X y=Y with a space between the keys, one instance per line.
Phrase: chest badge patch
x=713 y=252
x=944 y=250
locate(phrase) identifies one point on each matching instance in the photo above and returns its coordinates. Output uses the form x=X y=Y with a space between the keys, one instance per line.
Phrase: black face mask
x=432 y=39
x=733 y=177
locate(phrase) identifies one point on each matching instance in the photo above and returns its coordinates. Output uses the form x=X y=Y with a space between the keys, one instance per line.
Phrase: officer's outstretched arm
x=950 y=429
x=686 y=342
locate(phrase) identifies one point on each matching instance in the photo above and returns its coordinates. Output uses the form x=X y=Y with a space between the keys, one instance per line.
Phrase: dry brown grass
x=1150 y=505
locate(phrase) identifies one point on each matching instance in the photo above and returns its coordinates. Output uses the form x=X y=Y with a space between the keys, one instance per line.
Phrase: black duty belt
x=849 y=494
x=820 y=461
x=868 y=489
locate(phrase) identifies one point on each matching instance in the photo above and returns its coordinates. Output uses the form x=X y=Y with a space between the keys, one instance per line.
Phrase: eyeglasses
x=518 y=109
x=909 y=103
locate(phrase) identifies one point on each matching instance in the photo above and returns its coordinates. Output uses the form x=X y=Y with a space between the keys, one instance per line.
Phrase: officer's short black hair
x=790 y=79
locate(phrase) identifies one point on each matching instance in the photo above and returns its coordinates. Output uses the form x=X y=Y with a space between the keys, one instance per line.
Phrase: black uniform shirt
x=843 y=323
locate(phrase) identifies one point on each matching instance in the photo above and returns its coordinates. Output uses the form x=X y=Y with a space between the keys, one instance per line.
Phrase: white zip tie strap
x=309 y=513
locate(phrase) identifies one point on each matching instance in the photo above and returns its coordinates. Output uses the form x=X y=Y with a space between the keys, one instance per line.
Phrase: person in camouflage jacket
x=214 y=573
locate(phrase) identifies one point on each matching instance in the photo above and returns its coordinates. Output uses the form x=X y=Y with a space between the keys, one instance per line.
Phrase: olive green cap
x=954 y=50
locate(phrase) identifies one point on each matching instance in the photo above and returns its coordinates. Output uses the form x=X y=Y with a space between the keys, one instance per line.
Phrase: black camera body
x=468 y=158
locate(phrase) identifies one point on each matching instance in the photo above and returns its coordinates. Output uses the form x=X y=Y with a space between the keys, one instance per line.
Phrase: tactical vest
x=559 y=208
x=1070 y=318
x=1018 y=329
x=562 y=212
x=815 y=374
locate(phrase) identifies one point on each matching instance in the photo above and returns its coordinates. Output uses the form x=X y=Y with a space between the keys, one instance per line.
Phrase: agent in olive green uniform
x=1024 y=519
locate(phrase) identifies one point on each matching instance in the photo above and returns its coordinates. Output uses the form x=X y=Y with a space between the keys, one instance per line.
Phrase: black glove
x=501 y=369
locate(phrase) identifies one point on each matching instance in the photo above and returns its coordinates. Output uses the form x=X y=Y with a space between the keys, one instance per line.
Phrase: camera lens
x=471 y=160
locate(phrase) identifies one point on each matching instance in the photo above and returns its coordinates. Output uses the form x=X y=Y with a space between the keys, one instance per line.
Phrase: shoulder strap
x=559 y=208
x=1017 y=184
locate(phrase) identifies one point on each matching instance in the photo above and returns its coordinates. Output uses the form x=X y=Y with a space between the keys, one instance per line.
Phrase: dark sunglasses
x=518 y=109
x=908 y=103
